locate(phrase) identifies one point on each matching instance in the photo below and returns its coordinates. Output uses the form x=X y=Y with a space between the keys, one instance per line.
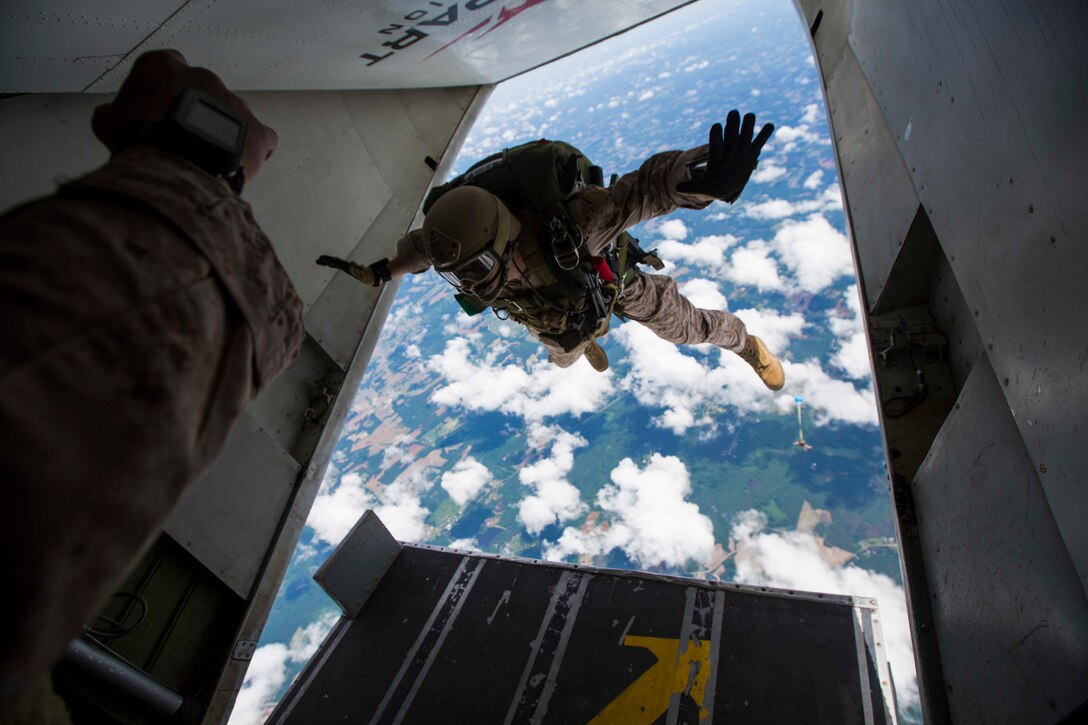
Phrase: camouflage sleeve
x=181 y=200
x=143 y=310
x=649 y=192
x=410 y=257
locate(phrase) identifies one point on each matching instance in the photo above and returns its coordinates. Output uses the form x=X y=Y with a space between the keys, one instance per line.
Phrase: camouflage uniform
x=602 y=214
x=143 y=310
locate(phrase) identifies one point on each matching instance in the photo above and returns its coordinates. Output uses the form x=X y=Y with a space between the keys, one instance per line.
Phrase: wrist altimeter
x=204 y=131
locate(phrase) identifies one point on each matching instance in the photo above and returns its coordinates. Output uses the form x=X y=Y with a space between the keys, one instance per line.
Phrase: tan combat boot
x=597 y=357
x=766 y=365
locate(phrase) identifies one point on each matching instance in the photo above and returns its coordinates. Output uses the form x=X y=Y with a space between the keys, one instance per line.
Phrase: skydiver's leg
x=559 y=356
x=654 y=301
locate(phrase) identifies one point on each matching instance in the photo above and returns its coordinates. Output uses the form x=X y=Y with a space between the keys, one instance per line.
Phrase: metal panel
x=402 y=132
x=445 y=130
x=528 y=641
x=353 y=571
x=283 y=44
x=228 y=519
x=1012 y=620
x=300 y=397
x=321 y=190
x=879 y=196
x=44 y=140
x=337 y=318
x=993 y=95
x=64 y=45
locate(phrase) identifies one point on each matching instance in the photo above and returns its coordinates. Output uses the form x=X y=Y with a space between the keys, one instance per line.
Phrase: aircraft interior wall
x=959 y=133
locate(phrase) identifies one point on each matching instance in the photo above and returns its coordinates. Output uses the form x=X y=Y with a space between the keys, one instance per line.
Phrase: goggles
x=474 y=271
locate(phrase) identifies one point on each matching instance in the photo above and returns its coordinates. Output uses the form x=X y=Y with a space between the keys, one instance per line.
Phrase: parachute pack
x=577 y=304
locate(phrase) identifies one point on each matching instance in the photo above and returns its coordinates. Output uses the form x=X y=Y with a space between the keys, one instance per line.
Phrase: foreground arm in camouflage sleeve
x=143 y=310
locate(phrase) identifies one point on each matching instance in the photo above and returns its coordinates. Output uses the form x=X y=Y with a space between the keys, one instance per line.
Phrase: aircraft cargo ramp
x=448 y=636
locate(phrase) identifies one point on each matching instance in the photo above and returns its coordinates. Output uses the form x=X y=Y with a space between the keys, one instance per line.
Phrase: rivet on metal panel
x=1031 y=208
x=1005 y=381
x=957 y=406
x=990 y=346
x=1053 y=239
x=976 y=313
x=1042 y=468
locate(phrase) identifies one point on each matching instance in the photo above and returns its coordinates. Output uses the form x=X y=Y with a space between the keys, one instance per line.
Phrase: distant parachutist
x=800 y=427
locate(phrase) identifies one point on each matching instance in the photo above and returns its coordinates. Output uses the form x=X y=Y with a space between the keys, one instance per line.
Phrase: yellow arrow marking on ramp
x=647 y=698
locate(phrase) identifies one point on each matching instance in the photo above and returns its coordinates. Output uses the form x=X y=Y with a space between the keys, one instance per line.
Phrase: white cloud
x=852 y=355
x=554 y=499
x=813 y=114
x=686 y=389
x=464 y=544
x=792 y=136
x=651 y=519
x=752 y=265
x=340 y=503
x=771 y=209
x=768 y=172
x=829 y=200
x=831 y=399
x=474 y=381
x=705 y=294
x=773 y=328
x=816 y=252
x=707 y=251
x=813 y=180
x=792 y=561
x=673 y=229
x=267 y=672
x=465 y=480
x=646 y=95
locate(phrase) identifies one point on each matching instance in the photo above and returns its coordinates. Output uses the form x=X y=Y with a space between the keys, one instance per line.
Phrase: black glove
x=335 y=262
x=732 y=158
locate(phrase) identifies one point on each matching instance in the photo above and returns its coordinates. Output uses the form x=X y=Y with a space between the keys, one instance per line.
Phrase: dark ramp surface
x=449 y=637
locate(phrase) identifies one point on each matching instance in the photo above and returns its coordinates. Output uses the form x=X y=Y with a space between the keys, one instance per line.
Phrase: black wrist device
x=205 y=131
x=381 y=271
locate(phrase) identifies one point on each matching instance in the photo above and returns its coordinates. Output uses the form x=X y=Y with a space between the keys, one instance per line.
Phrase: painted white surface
x=61 y=46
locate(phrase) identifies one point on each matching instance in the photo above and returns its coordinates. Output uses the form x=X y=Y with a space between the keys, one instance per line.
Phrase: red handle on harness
x=603 y=270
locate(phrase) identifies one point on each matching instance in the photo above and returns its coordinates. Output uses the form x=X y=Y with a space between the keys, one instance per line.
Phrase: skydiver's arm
x=408 y=260
x=665 y=181
x=603 y=214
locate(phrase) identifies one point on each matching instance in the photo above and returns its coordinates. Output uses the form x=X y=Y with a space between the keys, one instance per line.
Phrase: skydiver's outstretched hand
x=732 y=159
